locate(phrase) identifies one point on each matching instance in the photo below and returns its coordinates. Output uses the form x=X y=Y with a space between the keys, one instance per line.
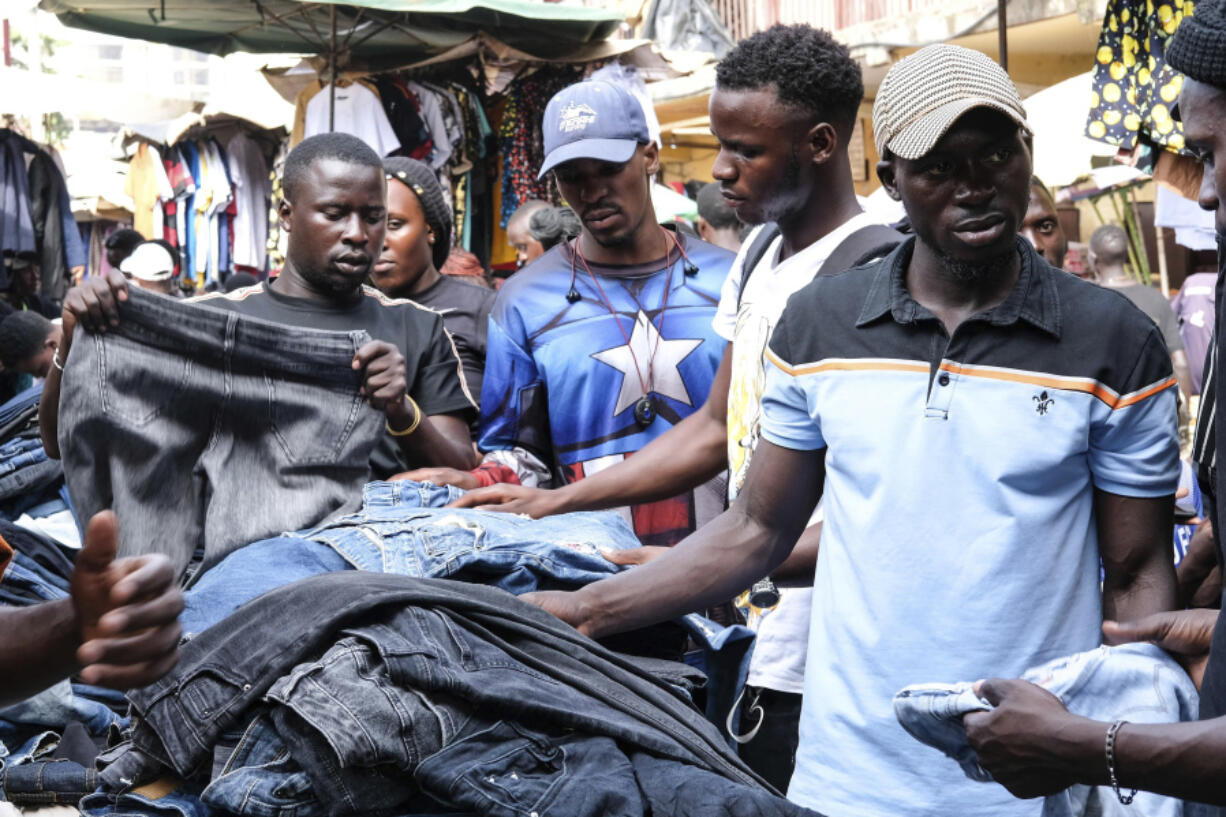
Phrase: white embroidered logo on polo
x=576 y=116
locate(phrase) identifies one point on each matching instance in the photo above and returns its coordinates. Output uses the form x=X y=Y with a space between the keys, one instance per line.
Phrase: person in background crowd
x=120 y=244
x=1041 y=226
x=418 y=243
x=119 y=627
x=527 y=248
x=782 y=159
x=551 y=226
x=467 y=267
x=717 y=222
x=152 y=267
x=239 y=280
x=28 y=342
x=1029 y=742
x=1108 y=256
x=334 y=213
x=605 y=342
x=877 y=374
x=1196 y=314
x=24 y=282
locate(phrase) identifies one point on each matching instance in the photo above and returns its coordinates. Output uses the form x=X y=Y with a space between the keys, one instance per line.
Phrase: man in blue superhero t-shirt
x=605 y=342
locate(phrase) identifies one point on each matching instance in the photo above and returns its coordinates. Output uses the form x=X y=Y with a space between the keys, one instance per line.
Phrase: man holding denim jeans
x=335 y=212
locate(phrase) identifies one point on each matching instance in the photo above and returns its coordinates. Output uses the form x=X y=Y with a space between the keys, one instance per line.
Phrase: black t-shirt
x=466 y=313
x=435 y=379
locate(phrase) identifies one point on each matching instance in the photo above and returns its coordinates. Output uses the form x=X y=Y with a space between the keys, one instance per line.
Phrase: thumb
x=100 y=543
x=1151 y=628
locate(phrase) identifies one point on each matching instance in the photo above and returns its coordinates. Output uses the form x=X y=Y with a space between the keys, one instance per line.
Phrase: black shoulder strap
x=864 y=245
x=757 y=249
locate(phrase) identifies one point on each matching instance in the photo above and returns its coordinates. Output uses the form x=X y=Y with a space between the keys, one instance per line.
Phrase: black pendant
x=644 y=412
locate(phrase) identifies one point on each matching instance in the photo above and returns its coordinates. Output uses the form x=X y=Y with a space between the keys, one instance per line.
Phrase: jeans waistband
x=198 y=330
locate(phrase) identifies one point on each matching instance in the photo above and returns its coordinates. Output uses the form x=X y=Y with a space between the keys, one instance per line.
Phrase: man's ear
x=885 y=172
x=429 y=234
x=284 y=211
x=651 y=158
x=823 y=139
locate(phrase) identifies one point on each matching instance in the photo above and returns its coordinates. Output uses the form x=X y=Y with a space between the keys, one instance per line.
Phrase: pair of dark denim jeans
x=511 y=664
x=203 y=427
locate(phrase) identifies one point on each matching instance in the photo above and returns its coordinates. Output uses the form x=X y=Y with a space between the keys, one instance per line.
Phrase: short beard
x=970 y=273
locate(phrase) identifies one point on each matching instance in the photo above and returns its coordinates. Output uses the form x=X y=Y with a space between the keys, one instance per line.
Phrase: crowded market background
x=777 y=356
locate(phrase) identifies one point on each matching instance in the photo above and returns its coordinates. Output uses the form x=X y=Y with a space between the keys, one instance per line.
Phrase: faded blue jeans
x=202 y=427
x=1138 y=683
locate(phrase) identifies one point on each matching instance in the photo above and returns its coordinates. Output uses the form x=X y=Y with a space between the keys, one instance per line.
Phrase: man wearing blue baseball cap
x=604 y=342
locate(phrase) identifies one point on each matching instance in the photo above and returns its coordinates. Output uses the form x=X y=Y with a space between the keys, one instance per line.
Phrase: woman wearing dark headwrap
x=417 y=244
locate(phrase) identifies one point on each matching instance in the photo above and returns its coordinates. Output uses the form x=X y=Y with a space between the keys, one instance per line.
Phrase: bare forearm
x=429 y=446
x=49 y=410
x=41 y=641
x=687 y=455
x=1184 y=760
x=1135 y=545
x=709 y=567
x=797 y=570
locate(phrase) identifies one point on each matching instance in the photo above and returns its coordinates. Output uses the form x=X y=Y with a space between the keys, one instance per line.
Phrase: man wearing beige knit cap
x=984 y=428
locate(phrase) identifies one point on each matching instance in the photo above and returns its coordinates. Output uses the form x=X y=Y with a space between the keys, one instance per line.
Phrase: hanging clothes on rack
x=249 y=172
x=358 y=111
x=16 y=223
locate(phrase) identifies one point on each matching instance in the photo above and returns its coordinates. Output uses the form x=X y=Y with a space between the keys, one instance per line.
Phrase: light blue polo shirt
x=960 y=538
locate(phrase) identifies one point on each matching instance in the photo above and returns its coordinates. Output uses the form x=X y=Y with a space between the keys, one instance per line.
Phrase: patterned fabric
x=1134 y=88
x=523 y=149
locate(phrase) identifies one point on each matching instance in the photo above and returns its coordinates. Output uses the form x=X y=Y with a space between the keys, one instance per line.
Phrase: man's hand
x=126 y=611
x=567 y=606
x=442 y=476
x=383 y=381
x=507 y=498
x=95 y=303
x=1185 y=634
x=1017 y=740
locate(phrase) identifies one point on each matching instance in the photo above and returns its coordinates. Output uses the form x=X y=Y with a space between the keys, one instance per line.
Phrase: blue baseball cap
x=592 y=120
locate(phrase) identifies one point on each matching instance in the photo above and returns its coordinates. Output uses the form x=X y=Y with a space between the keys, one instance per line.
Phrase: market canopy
x=369 y=33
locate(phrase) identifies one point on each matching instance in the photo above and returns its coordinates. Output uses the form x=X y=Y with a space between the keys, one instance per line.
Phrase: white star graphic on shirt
x=668 y=357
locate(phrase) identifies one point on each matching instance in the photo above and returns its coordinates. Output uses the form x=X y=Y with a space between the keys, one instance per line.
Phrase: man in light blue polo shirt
x=984 y=429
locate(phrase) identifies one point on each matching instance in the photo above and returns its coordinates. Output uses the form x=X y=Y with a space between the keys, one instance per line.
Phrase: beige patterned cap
x=925 y=93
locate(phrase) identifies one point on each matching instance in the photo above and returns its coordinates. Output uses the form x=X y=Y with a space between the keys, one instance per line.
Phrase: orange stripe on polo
x=849 y=365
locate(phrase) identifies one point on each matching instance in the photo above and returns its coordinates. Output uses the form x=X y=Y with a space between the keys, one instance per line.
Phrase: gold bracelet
x=416 y=421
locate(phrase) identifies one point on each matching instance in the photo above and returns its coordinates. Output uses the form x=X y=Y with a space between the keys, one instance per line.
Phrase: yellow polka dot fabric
x=1134 y=88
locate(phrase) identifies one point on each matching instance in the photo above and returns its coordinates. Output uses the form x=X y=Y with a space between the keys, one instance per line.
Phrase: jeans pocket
x=136 y=385
x=312 y=422
x=502 y=771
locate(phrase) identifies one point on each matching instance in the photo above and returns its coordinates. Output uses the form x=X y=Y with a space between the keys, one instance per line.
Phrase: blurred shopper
x=24 y=282
x=1041 y=226
x=28 y=342
x=527 y=248
x=120 y=244
x=151 y=266
x=717 y=222
x=551 y=226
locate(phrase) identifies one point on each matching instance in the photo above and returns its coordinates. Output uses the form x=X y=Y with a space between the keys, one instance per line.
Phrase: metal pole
x=332 y=71
x=1002 y=33
x=1164 y=278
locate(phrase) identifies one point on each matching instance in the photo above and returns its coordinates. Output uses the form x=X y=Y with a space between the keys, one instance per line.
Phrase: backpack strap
x=864 y=245
x=753 y=256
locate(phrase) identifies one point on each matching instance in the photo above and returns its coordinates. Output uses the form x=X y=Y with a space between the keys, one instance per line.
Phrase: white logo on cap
x=576 y=116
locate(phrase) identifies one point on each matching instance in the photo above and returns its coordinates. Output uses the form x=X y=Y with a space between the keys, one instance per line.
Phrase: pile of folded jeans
x=28 y=478
x=358 y=693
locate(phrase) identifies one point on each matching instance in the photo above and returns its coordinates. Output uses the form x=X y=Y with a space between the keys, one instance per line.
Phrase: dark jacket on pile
x=519 y=712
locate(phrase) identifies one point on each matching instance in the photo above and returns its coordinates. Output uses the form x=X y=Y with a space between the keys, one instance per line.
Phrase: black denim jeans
x=203 y=427
x=473 y=642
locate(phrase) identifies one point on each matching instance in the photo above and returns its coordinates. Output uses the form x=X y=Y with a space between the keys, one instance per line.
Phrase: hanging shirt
x=358 y=112
x=432 y=114
x=561 y=380
x=142 y=186
x=249 y=171
x=1195 y=310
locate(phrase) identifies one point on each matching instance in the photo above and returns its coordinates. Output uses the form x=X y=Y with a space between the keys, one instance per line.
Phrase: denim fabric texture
x=20 y=404
x=182 y=802
x=26 y=582
x=1138 y=683
x=30 y=478
x=404 y=528
x=431 y=643
x=203 y=427
x=48 y=782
